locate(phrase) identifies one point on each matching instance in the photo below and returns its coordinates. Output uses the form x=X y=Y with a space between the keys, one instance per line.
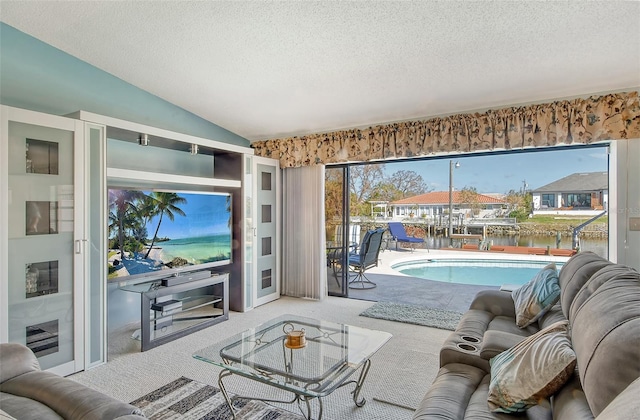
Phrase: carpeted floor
x=401 y=371
x=413 y=314
x=408 y=379
x=187 y=399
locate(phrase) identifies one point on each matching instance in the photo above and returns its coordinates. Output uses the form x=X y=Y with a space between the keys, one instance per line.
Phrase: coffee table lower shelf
x=299 y=397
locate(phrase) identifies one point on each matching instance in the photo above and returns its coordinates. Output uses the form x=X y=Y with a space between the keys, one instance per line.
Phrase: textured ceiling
x=267 y=69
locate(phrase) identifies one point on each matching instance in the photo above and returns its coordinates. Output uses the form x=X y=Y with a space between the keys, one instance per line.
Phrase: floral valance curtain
x=609 y=117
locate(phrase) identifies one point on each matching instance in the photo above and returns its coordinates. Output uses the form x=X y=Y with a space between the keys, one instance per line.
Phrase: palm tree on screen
x=122 y=204
x=165 y=203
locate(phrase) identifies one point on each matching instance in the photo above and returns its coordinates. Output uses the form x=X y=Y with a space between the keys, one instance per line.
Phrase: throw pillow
x=535 y=297
x=532 y=370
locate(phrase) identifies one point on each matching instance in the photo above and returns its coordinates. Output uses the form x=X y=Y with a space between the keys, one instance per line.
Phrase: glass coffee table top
x=331 y=354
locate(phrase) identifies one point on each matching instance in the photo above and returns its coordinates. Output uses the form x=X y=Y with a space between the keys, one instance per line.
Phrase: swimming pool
x=475 y=272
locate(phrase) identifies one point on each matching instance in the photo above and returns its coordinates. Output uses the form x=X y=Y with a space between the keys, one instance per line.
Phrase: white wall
x=624 y=191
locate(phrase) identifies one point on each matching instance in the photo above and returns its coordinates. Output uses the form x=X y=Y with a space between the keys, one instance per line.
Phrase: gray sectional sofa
x=26 y=392
x=600 y=300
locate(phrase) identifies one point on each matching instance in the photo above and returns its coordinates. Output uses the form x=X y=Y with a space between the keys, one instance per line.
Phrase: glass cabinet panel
x=266 y=233
x=41 y=241
x=95 y=261
x=249 y=232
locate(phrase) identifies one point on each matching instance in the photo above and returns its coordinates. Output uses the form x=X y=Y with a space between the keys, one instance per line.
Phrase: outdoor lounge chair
x=365 y=258
x=398 y=234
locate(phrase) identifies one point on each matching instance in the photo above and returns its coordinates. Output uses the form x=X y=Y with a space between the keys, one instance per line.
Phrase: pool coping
x=391 y=257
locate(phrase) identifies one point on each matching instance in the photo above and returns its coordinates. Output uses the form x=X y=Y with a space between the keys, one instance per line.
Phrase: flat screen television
x=152 y=233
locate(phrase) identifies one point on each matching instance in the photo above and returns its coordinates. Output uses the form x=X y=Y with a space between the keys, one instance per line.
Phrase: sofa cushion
x=537 y=296
x=575 y=273
x=570 y=402
x=605 y=332
x=552 y=316
x=460 y=392
x=5 y=416
x=624 y=406
x=532 y=370
x=496 y=302
x=599 y=278
x=496 y=342
x=508 y=325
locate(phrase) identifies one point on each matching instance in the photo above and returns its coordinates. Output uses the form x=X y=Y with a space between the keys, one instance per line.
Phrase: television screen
x=151 y=231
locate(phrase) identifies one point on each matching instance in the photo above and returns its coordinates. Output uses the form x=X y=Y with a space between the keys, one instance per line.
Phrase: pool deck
x=393 y=286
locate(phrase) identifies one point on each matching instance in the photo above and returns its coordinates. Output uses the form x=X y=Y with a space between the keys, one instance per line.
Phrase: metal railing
x=575 y=240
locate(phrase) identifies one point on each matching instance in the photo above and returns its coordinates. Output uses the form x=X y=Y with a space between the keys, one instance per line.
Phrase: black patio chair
x=365 y=258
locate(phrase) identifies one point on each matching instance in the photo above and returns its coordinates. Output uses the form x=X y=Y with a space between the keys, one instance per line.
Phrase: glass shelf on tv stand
x=191 y=306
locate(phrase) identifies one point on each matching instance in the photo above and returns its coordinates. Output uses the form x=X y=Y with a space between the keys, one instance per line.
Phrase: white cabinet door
x=43 y=243
x=266 y=240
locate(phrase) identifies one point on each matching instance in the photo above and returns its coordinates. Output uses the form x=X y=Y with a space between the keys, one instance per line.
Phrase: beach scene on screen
x=150 y=231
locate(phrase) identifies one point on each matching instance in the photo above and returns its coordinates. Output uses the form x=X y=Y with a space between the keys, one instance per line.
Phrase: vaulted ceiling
x=267 y=69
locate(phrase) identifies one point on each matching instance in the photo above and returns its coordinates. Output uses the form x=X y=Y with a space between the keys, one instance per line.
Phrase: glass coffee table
x=329 y=354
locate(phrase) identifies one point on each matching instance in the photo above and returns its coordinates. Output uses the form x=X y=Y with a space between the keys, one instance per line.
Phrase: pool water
x=475 y=272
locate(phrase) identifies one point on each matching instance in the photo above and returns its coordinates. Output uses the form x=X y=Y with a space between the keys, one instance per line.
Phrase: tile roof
x=584 y=181
x=442 y=197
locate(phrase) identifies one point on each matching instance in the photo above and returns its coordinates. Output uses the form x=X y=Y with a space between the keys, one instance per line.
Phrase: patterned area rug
x=187 y=399
x=412 y=314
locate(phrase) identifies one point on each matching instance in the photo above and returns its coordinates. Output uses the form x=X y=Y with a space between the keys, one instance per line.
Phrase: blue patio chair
x=398 y=234
x=365 y=258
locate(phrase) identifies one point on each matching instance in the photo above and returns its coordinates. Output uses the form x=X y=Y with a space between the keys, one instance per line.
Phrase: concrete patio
x=393 y=286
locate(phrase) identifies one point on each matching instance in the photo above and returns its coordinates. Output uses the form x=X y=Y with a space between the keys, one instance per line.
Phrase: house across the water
x=579 y=194
x=436 y=203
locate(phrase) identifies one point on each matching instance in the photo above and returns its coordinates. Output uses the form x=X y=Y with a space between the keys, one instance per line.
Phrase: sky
x=206 y=215
x=504 y=172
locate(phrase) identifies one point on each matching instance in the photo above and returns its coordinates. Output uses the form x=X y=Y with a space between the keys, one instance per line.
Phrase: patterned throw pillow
x=535 y=297
x=532 y=370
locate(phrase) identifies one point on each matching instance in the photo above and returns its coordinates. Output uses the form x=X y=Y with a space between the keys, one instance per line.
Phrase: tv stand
x=170 y=310
x=180 y=278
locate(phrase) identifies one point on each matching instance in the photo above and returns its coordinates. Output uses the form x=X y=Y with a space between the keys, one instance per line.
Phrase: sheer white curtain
x=304 y=262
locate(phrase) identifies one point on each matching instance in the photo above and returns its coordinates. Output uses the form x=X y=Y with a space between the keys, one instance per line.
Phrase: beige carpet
x=401 y=371
x=407 y=379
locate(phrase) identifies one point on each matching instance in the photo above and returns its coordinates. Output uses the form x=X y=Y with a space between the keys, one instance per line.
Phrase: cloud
x=598 y=155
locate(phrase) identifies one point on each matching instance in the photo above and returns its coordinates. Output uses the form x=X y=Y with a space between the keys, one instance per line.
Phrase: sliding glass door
x=336 y=224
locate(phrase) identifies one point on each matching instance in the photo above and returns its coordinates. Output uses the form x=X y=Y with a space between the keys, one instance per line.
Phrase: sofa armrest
x=16 y=359
x=68 y=398
x=494 y=301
